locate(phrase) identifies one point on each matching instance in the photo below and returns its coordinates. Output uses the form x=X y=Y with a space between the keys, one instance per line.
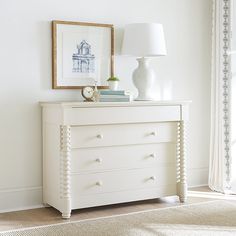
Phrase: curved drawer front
x=134 y=156
x=86 y=184
x=125 y=134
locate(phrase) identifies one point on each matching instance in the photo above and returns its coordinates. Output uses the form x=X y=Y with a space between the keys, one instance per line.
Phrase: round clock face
x=88 y=92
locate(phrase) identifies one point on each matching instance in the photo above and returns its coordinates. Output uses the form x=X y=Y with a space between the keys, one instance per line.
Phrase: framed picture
x=82 y=54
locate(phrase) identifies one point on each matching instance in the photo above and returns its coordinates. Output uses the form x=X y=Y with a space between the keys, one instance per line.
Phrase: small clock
x=88 y=93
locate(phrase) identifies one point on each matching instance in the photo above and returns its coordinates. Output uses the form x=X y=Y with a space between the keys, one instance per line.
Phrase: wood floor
x=44 y=216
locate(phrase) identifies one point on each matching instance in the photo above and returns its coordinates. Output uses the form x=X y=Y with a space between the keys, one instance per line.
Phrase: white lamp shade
x=144 y=40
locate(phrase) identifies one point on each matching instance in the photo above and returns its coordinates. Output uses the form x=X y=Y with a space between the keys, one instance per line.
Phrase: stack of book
x=114 y=96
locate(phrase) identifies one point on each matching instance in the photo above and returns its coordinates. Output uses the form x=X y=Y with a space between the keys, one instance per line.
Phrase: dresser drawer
x=120 y=114
x=86 y=184
x=125 y=134
x=134 y=156
x=84 y=201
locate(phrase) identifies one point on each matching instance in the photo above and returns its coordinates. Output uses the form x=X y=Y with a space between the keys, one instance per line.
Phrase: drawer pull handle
x=99 y=160
x=154 y=133
x=99 y=183
x=152 y=155
x=100 y=136
x=153 y=177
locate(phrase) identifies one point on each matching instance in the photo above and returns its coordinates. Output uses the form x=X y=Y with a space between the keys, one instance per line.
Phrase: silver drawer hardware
x=99 y=160
x=99 y=183
x=153 y=155
x=100 y=136
x=154 y=133
x=153 y=177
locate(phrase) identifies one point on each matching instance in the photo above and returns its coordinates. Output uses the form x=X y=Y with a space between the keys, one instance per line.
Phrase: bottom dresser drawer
x=84 y=201
x=96 y=183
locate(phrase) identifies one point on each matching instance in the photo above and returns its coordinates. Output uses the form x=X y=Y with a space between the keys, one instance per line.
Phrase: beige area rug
x=209 y=218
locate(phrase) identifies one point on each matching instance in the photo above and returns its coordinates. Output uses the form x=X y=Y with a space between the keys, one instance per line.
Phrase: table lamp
x=144 y=40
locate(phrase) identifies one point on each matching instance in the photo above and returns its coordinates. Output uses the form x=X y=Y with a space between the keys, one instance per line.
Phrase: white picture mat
x=68 y=37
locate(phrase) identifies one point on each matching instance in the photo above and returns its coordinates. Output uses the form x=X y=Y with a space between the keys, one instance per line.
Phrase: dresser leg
x=182 y=192
x=65 y=185
x=181 y=168
x=66 y=215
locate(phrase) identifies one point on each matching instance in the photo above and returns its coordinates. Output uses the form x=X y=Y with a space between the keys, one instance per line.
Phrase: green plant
x=113 y=79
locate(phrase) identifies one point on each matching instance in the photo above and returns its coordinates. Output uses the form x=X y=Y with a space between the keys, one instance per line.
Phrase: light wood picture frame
x=82 y=54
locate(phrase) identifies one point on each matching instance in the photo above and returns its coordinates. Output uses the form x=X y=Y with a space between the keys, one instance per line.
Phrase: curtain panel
x=220 y=178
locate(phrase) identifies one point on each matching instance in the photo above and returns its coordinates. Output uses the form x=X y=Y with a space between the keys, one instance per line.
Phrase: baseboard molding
x=200 y=185
x=18 y=199
x=197 y=177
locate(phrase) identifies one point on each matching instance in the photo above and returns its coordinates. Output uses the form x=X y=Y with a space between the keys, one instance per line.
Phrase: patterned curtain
x=220 y=178
x=233 y=97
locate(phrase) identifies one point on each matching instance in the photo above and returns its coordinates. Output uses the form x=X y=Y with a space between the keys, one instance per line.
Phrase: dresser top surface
x=115 y=104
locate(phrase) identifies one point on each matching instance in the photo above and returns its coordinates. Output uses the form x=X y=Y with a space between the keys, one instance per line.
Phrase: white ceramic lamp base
x=144 y=79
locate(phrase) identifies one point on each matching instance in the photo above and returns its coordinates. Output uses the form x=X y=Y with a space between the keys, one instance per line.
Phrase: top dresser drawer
x=117 y=115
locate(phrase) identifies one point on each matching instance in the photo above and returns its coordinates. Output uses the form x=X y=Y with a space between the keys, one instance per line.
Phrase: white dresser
x=104 y=153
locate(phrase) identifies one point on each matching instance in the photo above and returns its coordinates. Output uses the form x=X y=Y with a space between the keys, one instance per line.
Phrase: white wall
x=25 y=76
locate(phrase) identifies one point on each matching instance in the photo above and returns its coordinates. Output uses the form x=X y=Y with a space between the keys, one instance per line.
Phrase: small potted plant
x=113 y=83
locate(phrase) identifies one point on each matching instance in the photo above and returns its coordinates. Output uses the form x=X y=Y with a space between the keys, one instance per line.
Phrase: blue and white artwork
x=83 y=59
